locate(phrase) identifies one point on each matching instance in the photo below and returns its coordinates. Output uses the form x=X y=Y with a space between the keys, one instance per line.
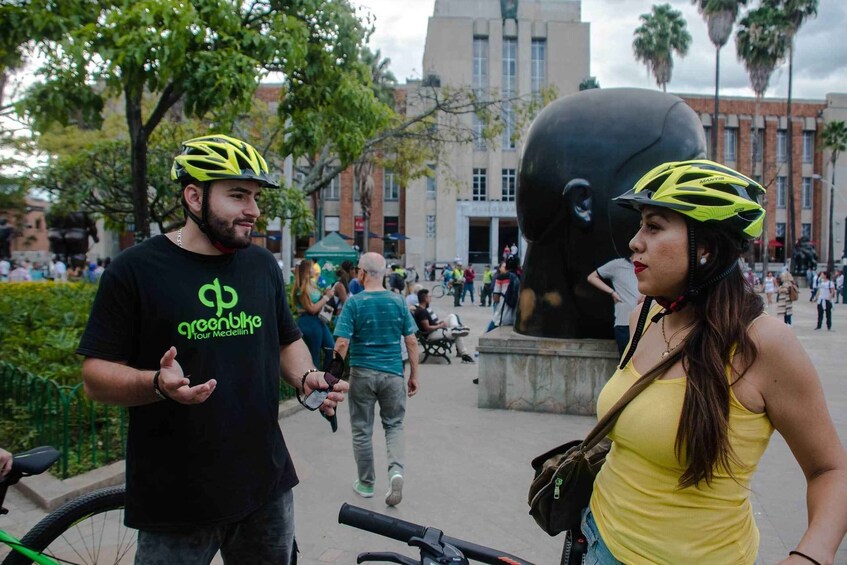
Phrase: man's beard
x=224 y=233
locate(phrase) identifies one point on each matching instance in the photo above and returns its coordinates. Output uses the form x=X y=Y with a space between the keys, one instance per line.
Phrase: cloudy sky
x=820 y=59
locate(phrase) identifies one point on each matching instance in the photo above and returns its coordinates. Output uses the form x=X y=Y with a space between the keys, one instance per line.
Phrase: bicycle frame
x=15 y=544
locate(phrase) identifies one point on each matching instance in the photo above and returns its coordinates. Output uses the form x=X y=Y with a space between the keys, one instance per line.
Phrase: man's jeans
x=264 y=537
x=367 y=387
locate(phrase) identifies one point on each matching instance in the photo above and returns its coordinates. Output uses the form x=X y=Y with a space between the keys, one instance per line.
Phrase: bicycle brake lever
x=385 y=557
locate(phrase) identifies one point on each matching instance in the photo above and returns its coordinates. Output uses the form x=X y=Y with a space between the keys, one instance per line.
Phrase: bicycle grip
x=380 y=524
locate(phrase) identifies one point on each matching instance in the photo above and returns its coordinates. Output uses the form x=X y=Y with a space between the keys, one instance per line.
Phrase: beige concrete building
x=507 y=48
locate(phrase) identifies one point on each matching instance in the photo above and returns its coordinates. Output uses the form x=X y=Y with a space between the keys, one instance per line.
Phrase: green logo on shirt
x=220 y=298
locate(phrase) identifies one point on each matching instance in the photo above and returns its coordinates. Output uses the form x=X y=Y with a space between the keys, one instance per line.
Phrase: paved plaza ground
x=467 y=469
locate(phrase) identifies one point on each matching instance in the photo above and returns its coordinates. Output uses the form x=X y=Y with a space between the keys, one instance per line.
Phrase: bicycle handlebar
x=403 y=531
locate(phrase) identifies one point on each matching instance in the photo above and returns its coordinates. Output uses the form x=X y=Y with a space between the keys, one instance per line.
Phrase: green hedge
x=40 y=327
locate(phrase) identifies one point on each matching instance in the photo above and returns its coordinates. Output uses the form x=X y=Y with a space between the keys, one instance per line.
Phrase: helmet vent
x=701 y=200
x=655 y=184
x=692 y=177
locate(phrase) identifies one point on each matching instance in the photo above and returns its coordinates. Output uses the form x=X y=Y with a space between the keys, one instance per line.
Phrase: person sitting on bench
x=433 y=330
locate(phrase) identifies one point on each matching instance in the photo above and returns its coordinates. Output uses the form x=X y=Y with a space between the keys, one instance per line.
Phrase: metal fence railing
x=88 y=434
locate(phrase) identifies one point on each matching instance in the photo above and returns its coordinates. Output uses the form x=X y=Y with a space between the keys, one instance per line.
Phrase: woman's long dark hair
x=722 y=313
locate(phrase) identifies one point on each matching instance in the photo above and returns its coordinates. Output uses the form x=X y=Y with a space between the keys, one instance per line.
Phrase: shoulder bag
x=564 y=476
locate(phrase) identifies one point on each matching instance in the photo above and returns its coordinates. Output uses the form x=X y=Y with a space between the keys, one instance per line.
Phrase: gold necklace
x=668 y=347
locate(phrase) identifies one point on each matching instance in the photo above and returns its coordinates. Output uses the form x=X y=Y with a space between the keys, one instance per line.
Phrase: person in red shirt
x=470 y=275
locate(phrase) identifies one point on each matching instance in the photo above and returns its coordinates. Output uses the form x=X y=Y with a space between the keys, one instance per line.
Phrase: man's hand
x=176 y=386
x=412 y=386
x=5 y=462
x=316 y=381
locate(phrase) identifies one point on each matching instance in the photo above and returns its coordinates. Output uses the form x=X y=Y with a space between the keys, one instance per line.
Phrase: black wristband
x=159 y=392
x=804 y=556
x=303 y=380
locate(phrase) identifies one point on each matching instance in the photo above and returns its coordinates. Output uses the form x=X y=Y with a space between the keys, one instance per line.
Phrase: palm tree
x=662 y=32
x=795 y=12
x=720 y=16
x=761 y=46
x=835 y=139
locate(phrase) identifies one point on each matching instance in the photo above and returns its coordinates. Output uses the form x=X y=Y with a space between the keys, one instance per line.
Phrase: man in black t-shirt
x=433 y=330
x=207 y=467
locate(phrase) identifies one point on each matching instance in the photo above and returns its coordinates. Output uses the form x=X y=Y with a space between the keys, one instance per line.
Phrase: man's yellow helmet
x=218 y=157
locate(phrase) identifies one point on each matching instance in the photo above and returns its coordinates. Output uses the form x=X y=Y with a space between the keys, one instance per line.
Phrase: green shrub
x=41 y=326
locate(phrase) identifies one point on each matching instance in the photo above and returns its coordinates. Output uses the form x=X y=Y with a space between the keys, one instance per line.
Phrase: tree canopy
x=203 y=59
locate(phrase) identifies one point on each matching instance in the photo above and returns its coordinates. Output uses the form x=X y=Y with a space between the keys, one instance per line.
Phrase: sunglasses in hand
x=332 y=375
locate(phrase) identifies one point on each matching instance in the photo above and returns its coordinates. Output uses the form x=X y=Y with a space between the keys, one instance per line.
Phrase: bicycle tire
x=88 y=529
x=437 y=291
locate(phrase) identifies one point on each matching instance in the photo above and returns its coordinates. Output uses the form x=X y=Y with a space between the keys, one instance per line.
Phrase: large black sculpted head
x=581 y=151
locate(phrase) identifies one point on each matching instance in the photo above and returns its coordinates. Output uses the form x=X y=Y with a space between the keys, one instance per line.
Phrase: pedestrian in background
x=485 y=294
x=623 y=292
x=826 y=290
x=470 y=279
x=370 y=327
x=784 y=297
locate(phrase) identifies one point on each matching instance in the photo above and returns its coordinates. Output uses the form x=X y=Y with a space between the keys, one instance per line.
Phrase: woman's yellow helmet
x=704 y=191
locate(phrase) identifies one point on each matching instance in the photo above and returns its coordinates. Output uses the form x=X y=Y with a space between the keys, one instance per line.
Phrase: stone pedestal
x=541 y=374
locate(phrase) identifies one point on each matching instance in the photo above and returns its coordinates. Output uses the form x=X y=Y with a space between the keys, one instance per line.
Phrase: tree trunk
x=830 y=264
x=717 y=104
x=138 y=165
x=789 y=182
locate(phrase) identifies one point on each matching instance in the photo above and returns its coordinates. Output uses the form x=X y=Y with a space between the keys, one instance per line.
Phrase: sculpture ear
x=578 y=196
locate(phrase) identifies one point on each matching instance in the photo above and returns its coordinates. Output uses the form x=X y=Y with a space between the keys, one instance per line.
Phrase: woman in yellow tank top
x=675 y=487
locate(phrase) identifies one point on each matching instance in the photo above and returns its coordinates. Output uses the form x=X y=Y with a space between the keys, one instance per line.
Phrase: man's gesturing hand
x=176 y=386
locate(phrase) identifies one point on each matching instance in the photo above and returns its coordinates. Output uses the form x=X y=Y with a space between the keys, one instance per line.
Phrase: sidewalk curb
x=48 y=492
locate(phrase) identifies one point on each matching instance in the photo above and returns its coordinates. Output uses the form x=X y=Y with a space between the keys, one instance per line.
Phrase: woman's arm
x=313 y=308
x=795 y=403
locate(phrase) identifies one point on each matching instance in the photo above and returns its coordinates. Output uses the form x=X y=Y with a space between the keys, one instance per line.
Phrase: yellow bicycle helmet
x=217 y=157
x=704 y=191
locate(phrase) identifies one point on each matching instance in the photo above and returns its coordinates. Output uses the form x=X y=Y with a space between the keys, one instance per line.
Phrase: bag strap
x=604 y=426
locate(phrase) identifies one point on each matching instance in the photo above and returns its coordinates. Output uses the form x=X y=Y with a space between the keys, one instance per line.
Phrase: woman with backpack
x=786 y=295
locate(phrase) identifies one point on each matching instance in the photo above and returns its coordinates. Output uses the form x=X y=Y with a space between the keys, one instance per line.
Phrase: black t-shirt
x=421 y=315
x=215 y=462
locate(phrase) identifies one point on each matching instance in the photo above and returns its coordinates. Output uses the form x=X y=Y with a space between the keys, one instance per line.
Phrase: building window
x=299 y=177
x=780 y=229
x=480 y=63
x=708 y=132
x=479 y=143
x=538 y=71
x=807 y=193
x=730 y=144
x=806 y=231
x=757 y=142
x=390 y=188
x=431 y=183
x=808 y=146
x=781 y=146
x=480 y=185
x=333 y=191
x=430 y=227
x=509 y=185
x=508 y=89
x=780 y=192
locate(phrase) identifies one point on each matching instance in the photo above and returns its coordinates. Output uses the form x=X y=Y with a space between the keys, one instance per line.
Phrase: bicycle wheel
x=437 y=291
x=87 y=530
